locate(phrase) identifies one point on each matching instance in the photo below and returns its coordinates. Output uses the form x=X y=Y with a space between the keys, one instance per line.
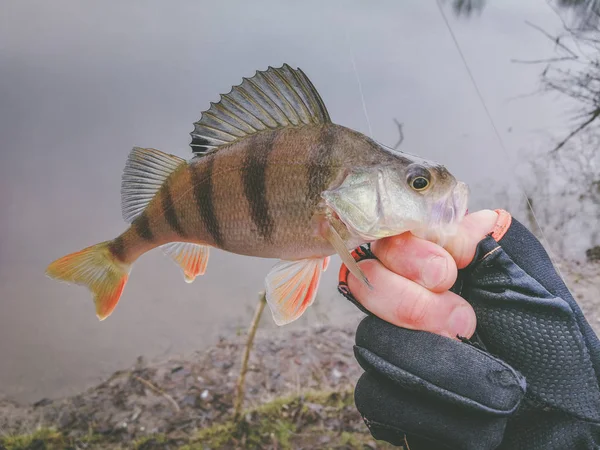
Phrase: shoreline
x=176 y=400
x=300 y=381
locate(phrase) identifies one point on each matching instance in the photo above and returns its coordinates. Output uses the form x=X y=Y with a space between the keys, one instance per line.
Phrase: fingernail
x=461 y=322
x=434 y=271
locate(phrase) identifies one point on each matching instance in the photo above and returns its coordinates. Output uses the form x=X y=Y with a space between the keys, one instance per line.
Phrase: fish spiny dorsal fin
x=274 y=98
x=145 y=172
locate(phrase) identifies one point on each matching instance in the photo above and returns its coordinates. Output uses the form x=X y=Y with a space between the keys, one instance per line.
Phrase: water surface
x=83 y=82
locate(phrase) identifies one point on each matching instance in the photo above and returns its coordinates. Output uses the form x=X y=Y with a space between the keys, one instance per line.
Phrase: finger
x=407 y=304
x=417 y=259
x=471 y=230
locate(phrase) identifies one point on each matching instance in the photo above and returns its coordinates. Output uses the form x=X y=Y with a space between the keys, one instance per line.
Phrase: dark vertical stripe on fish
x=117 y=248
x=169 y=210
x=255 y=187
x=142 y=227
x=201 y=175
x=320 y=168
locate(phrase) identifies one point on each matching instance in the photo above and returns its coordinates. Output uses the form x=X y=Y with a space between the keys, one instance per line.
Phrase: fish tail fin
x=97 y=268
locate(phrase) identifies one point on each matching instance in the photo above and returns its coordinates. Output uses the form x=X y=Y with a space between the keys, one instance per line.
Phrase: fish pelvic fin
x=97 y=268
x=271 y=99
x=192 y=258
x=291 y=287
x=329 y=232
x=146 y=170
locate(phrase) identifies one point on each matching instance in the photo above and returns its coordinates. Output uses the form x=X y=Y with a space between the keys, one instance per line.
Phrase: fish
x=270 y=176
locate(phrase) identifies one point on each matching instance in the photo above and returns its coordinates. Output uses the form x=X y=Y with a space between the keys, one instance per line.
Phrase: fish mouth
x=446 y=214
x=451 y=209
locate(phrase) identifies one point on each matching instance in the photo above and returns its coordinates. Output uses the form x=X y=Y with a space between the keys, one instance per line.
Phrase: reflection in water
x=85 y=87
x=586 y=13
x=467 y=7
x=569 y=170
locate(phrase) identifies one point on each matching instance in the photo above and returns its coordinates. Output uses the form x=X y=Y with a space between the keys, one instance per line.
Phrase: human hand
x=528 y=379
x=411 y=278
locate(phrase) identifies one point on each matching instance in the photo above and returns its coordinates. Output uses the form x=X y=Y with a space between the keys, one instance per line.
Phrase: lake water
x=83 y=82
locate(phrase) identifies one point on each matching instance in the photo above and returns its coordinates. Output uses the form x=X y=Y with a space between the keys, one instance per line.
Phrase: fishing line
x=496 y=132
x=360 y=89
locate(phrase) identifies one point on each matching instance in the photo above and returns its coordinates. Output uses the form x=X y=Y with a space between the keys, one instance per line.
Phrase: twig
x=593 y=117
x=158 y=391
x=240 y=388
x=400 y=132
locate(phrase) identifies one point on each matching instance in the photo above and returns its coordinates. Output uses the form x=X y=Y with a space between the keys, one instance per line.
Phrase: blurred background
x=81 y=83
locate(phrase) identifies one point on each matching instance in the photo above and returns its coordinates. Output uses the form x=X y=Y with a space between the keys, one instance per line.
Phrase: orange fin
x=291 y=287
x=192 y=258
x=96 y=268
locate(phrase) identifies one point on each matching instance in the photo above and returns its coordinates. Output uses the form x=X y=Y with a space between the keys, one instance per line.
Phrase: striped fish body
x=257 y=197
x=272 y=177
x=262 y=196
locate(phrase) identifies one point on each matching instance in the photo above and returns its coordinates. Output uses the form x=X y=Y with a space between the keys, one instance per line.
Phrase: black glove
x=527 y=380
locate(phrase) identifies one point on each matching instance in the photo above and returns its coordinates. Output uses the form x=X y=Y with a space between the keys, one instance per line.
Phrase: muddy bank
x=299 y=394
x=173 y=401
x=583 y=279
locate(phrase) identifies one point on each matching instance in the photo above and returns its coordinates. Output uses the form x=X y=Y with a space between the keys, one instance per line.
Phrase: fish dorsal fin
x=145 y=172
x=274 y=98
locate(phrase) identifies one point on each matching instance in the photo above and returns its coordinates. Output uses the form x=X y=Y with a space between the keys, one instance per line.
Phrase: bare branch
x=542 y=61
x=555 y=39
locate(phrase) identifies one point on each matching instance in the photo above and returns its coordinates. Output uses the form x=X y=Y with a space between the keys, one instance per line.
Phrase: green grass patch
x=43 y=438
x=287 y=422
x=326 y=420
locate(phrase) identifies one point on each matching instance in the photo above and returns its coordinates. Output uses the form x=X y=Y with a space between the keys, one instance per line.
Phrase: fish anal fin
x=192 y=258
x=273 y=98
x=291 y=287
x=145 y=172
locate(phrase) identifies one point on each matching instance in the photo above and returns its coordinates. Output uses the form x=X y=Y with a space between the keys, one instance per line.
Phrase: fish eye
x=419 y=178
x=419 y=183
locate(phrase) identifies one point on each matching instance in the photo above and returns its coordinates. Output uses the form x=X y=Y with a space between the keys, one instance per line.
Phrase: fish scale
x=272 y=177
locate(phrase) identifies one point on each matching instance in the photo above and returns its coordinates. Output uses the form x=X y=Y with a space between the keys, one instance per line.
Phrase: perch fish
x=271 y=176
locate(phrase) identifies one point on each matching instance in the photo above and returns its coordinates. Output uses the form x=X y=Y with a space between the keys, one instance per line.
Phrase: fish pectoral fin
x=336 y=241
x=291 y=287
x=192 y=258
